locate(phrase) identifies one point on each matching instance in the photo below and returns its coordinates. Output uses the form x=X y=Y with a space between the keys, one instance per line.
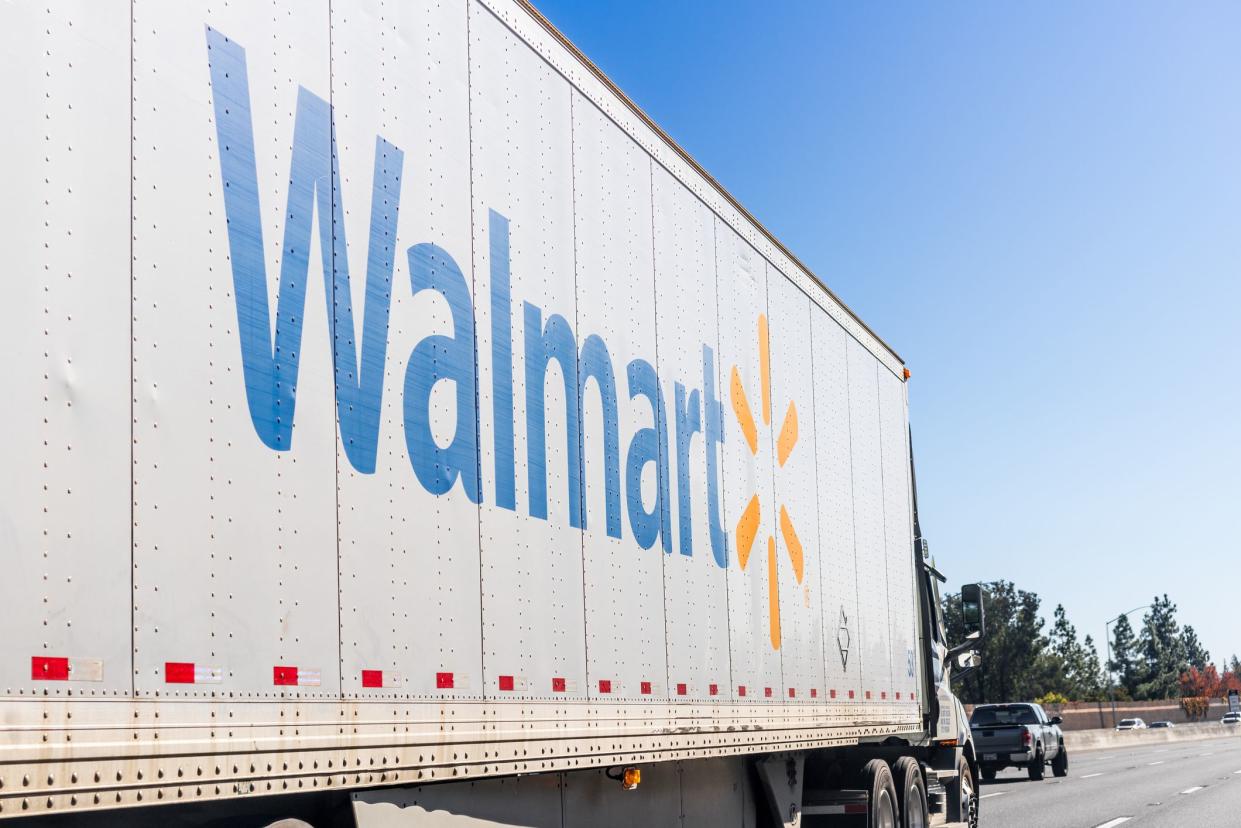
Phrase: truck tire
x=1060 y=765
x=915 y=813
x=1035 y=768
x=883 y=811
x=963 y=795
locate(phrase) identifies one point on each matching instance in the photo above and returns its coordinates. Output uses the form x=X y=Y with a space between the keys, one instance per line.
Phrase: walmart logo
x=271 y=348
x=751 y=519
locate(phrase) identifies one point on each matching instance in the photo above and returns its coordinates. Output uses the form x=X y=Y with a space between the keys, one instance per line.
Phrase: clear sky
x=1038 y=206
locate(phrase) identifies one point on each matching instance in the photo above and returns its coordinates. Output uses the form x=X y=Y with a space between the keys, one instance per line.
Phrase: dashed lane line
x=997 y=793
x=1100 y=773
x=1189 y=791
x=1152 y=764
x=1112 y=823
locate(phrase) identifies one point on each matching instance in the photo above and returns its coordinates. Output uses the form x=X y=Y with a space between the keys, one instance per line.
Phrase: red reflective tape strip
x=767 y=692
x=713 y=689
x=868 y=694
x=814 y=692
x=913 y=696
x=682 y=689
x=884 y=695
x=831 y=693
x=372 y=678
x=898 y=695
x=443 y=681
x=605 y=686
x=178 y=672
x=646 y=688
x=506 y=683
x=740 y=689
x=558 y=685
x=284 y=676
x=792 y=692
x=850 y=694
x=45 y=668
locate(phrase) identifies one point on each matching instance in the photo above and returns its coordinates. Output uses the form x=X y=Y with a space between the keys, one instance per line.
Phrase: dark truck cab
x=1017 y=735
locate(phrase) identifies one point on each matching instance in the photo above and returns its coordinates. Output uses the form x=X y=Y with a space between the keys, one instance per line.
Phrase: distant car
x=1154 y=725
x=1133 y=724
x=1231 y=718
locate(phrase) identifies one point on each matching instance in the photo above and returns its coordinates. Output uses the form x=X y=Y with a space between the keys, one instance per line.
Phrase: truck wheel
x=963 y=796
x=1060 y=765
x=883 y=809
x=912 y=789
x=988 y=773
x=1035 y=768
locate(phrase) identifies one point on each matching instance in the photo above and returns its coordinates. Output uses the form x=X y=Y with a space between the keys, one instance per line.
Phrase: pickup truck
x=1018 y=735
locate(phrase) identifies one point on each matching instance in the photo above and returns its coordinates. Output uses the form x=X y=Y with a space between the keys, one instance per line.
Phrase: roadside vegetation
x=1024 y=659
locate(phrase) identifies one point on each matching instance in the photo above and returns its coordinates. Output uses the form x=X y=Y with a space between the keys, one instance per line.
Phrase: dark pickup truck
x=1017 y=735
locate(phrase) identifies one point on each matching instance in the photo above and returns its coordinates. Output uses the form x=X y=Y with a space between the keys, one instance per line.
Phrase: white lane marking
x=1188 y=791
x=1151 y=764
x=1235 y=772
x=1113 y=823
x=997 y=793
x=1100 y=773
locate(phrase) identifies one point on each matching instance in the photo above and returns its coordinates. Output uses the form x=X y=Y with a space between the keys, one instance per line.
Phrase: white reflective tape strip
x=208 y=675
x=391 y=679
x=86 y=669
x=309 y=678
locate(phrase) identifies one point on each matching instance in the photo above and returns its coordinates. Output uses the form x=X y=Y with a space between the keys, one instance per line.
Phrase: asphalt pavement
x=1187 y=784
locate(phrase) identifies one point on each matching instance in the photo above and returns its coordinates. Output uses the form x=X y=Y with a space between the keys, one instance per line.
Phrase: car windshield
x=1004 y=714
x=1128 y=722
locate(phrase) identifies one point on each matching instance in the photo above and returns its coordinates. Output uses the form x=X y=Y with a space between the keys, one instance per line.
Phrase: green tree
x=1078 y=662
x=1124 y=663
x=1016 y=661
x=1093 y=682
x=1194 y=651
x=1163 y=652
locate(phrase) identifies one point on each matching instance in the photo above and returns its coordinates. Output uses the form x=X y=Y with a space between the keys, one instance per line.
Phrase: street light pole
x=1107 y=641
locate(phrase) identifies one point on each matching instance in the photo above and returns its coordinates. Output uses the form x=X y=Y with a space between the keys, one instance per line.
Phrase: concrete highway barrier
x=1103 y=739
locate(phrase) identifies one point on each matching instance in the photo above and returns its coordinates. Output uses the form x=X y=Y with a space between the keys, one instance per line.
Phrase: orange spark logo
x=751 y=517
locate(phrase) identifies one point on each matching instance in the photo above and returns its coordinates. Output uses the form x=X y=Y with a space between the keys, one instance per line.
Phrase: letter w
x=270 y=368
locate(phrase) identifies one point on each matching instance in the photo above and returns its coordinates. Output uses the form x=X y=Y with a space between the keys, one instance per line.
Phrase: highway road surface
x=1185 y=785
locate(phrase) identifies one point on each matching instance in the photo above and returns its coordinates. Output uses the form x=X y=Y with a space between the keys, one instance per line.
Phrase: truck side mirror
x=1056 y=720
x=973 y=611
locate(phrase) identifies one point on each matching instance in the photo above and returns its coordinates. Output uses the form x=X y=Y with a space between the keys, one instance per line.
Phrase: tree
x=1162 y=650
x=1016 y=662
x=1194 y=651
x=1079 y=662
x=1092 y=680
x=1124 y=663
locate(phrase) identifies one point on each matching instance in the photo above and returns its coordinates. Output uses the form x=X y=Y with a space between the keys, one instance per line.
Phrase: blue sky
x=1039 y=207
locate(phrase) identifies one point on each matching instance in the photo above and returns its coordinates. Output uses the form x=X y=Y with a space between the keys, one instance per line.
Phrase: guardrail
x=1103 y=739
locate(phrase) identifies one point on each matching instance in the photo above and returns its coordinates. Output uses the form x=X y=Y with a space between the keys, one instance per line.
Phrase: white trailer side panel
x=875 y=631
x=842 y=642
x=696 y=574
x=409 y=559
x=753 y=605
x=521 y=141
x=794 y=509
x=624 y=585
x=64 y=496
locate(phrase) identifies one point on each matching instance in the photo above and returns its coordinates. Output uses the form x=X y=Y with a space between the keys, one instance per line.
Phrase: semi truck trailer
x=403 y=430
